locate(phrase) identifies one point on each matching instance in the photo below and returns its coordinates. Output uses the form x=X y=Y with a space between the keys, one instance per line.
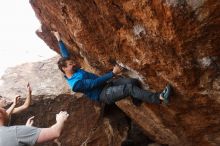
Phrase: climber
x=14 y=110
x=101 y=88
x=28 y=135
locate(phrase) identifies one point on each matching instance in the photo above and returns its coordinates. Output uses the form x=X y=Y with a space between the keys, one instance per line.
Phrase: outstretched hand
x=62 y=117
x=30 y=121
x=15 y=101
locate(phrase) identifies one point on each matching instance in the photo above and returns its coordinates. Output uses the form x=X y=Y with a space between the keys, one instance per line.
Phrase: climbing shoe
x=166 y=94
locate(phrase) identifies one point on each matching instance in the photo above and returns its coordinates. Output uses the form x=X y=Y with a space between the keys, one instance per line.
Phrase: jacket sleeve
x=91 y=75
x=88 y=84
x=63 y=50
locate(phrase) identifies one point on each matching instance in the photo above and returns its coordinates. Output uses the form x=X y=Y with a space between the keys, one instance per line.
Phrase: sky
x=18 y=42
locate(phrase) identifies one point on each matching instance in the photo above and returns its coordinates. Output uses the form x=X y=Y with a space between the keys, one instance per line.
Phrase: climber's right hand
x=117 y=69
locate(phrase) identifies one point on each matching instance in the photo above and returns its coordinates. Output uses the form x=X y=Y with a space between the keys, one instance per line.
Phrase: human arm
x=55 y=130
x=11 y=108
x=88 y=84
x=26 y=103
x=63 y=50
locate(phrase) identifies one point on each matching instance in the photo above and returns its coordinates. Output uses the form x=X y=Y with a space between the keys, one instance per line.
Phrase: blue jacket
x=85 y=82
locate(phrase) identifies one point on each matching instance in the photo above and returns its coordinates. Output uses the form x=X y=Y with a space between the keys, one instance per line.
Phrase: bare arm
x=48 y=134
x=11 y=108
x=26 y=103
x=54 y=131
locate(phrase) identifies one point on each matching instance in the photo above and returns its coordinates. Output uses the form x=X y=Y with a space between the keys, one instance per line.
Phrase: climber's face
x=70 y=66
x=3 y=102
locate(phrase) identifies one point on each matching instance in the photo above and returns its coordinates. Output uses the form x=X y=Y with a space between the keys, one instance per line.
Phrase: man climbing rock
x=28 y=135
x=98 y=88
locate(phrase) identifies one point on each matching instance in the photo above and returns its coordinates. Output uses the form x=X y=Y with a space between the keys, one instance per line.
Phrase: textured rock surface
x=44 y=77
x=158 y=41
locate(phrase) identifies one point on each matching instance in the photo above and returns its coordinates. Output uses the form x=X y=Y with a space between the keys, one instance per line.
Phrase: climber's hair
x=3 y=115
x=62 y=63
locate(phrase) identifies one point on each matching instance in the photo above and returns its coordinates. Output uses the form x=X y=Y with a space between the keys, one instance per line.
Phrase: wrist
x=13 y=105
x=60 y=121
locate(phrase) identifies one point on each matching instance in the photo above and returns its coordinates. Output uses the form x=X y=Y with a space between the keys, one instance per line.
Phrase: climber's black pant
x=123 y=87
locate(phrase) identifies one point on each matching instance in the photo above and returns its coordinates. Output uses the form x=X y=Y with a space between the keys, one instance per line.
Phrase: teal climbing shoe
x=166 y=94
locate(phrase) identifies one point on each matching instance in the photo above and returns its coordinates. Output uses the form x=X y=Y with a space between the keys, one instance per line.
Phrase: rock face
x=159 y=42
x=44 y=77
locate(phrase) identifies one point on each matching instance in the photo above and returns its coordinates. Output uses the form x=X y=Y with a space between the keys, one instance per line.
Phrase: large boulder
x=159 y=42
x=44 y=77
